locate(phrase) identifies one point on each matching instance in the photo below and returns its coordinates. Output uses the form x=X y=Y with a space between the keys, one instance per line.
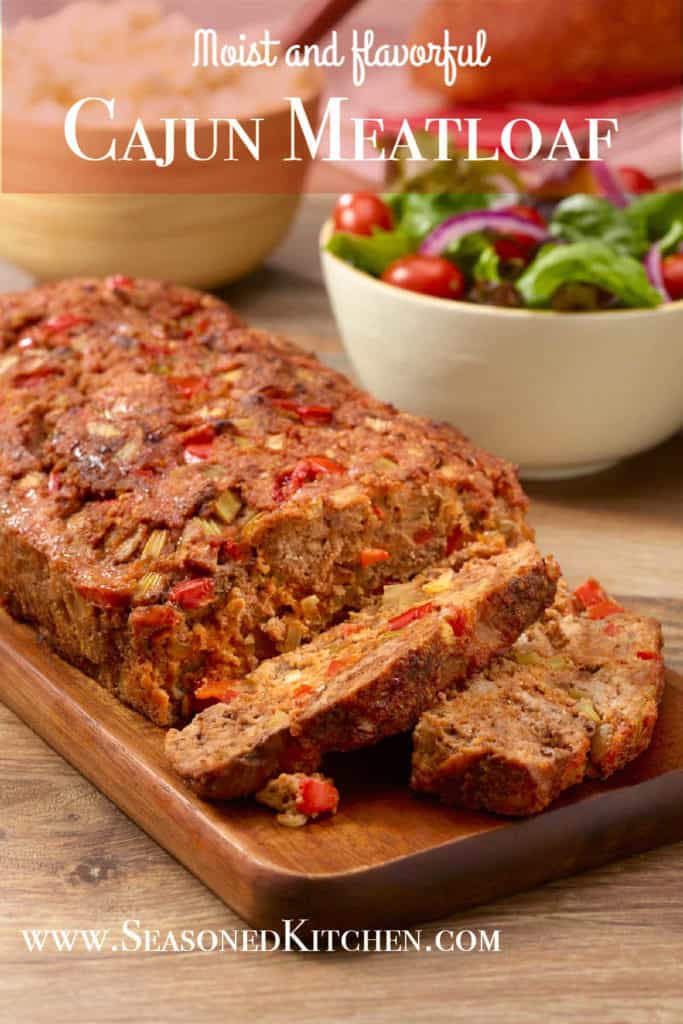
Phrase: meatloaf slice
x=366 y=679
x=578 y=695
x=181 y=494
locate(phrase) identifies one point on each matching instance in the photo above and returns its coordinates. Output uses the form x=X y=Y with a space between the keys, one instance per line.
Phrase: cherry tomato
x=526 y=213
x=514 y=247
x=518 y=246
x=429 y=275
x=360 y=212
x=635 y=180
x=672 y=272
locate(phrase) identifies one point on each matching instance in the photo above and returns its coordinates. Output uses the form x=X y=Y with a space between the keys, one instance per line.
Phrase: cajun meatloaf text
x=182 y=496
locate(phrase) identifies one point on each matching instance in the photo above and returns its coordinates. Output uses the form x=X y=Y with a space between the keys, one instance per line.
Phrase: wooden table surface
x=604 y=946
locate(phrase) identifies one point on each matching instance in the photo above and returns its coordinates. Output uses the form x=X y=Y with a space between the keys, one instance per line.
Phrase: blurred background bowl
x=559 y=394
x=178 y=223
x=199 y=240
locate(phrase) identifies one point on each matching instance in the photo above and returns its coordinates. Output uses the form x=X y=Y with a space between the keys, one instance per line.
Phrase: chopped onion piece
x=527 y=658
x=440 y=584
x=309 y=605
x=609 y=184
x=482 y=220
x=155 y=544
x=228 y=505
x=587 y=709
x=653 y=269
x=211 y=527
x=150 y=582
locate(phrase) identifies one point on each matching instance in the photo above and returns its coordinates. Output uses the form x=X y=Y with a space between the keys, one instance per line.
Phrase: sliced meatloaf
x=577 y=696
x=181 y=495
x=366 y=679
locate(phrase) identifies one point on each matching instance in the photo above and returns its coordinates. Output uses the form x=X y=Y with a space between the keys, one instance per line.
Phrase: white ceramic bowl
x=560 y=394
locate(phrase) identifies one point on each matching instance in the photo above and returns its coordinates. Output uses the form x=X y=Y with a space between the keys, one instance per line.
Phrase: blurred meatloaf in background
x=557 y=52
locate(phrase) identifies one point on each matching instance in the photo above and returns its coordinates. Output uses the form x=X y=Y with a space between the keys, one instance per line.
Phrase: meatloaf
x=577 y=696
x=365 y=679
x=550 y=52
x=182 y=496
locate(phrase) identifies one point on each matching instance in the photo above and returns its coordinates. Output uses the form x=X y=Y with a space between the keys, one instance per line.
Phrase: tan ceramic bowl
x=178 y=224
x=560 y=394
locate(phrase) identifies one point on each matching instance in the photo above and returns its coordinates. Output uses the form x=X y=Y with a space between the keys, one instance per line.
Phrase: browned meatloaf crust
x=365 y=679
x=576 y=697
x=182 y=496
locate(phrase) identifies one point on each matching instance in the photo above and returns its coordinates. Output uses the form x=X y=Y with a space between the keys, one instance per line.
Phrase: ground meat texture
x=182 y=495
x=366 y=679
x=576 y=697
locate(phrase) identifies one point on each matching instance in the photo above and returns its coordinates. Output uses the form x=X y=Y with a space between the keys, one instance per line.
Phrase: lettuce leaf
x=371 y=253
x=672 y=239
x=591 y=262
x=658 y=211
x=580 y=218
x=476 y=256
x=416 y=214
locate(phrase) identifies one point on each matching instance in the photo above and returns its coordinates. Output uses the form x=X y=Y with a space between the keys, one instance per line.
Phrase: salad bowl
x=559 y=393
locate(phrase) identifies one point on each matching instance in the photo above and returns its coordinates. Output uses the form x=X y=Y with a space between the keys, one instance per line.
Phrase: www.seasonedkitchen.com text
x=292 y=937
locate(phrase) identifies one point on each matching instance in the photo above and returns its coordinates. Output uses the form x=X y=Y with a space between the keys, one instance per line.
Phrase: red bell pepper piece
x=220 y=690
x=596 y=602
x=337 y=665
x=106 y=597
x=236 y=550
x=188 y=386
x=306 y=413
x=305 y=472
x=302 y=692
x=412 y=615
x=349 y=628
x=33 y=376
x=458 y=622
x=590 y=593
x=647 y=655
x=317 y=796
x=152 y=619
x=372 y=556
x=194 y=593
x=455 y=539
x=65 y=322
x=197 y=453
x=199 y=444
x=603 y=609
x=423 y=536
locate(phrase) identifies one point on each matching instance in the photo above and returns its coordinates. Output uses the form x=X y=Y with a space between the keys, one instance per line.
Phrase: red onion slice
x=653 y=269
x=480 y=220
x=609 y=184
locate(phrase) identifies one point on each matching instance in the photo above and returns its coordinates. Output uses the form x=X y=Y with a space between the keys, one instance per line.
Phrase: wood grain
x=604 y=945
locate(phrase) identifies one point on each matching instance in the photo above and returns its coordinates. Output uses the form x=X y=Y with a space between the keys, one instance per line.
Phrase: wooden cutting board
x=388 y=858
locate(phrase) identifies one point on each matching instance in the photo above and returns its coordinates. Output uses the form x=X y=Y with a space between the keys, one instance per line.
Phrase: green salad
x=585 y=252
